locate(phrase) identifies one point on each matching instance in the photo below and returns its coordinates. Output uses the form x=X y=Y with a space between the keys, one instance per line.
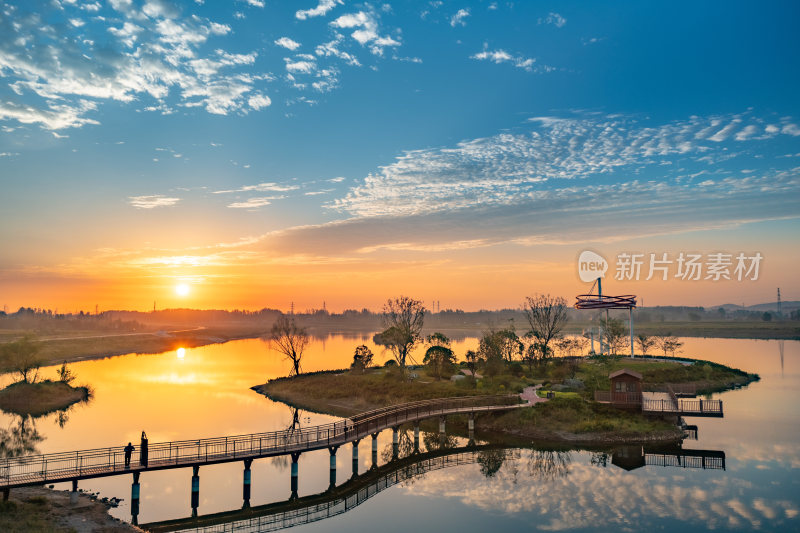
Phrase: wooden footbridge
x=334 y=501
x=84 y=464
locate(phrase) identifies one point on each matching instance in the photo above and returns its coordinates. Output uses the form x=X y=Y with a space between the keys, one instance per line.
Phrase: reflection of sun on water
x=181 y=352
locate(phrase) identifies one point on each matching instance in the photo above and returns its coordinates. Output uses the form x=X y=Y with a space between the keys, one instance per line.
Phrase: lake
x=205 y=392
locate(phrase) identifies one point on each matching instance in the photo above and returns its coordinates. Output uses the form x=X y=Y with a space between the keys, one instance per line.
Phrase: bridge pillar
x=73 y=496
x=295 y=458
x=6 y=494
x=395 y=442
x=442 y=420
x=355 y=457
x=374 y=450
x=332 y=450
x=246 y=483
x=135 y=499
x=195 y=489
x=471 y=426
x=416 y=437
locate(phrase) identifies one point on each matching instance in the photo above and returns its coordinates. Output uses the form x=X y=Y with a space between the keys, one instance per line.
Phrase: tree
x=614 y=333
x=645 y=342
x=547 y=316
x=65 y=375
x=23 y=358
x=291 y=340
x=668 y=343
x=438 y=355
x=471 y=357
x=403 y=318
x=362 y=358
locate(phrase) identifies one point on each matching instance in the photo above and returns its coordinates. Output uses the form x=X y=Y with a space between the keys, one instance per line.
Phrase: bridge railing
x=102 y=461
x=55 y=466
x=377 y=419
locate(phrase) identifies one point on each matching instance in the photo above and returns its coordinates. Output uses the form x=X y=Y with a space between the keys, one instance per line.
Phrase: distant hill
x=786 y=307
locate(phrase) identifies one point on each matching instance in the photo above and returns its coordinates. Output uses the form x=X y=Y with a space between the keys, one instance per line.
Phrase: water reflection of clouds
x=592 y=497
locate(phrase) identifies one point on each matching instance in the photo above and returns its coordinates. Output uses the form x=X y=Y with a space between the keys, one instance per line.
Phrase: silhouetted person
x=128 y=452
x=143 y=450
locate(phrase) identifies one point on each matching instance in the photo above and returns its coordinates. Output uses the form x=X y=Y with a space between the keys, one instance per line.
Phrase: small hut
x=626 y=387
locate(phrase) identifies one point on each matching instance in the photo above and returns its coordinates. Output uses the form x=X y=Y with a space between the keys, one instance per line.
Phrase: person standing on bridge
x=143 y=450
x=128 y=452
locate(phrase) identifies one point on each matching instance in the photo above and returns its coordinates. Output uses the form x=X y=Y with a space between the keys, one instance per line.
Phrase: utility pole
x=291 y=311
x=779 y=301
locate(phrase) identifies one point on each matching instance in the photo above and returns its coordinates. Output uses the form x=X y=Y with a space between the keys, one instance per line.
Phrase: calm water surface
x=205 y=392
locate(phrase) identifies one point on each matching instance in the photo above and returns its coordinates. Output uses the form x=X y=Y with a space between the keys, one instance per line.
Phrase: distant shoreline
x=101 y=344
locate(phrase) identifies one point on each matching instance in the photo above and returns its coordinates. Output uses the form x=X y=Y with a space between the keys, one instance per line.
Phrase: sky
x=328 y=152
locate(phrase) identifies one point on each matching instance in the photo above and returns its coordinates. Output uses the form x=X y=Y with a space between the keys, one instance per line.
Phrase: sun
x=182 y=289
x=181 y=353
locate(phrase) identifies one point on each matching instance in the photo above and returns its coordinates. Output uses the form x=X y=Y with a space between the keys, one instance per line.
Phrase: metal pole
x=630 y=311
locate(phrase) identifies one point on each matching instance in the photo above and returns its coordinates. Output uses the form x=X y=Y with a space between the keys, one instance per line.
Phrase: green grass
x=572 y=414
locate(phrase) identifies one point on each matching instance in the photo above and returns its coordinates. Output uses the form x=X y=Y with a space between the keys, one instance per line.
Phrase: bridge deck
x=83 y=464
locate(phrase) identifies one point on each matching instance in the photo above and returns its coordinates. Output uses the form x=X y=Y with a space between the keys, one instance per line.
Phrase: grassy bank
x=37 y=399
x=571 y=417
x=725 y=329
x=37 y=509
x=93 y=345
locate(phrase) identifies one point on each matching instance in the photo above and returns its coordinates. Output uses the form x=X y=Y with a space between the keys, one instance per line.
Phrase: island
x=570 y=414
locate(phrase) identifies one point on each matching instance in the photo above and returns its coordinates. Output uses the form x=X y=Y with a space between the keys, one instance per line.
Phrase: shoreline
x=491 y=424
x=75 y=349
x=45 y=509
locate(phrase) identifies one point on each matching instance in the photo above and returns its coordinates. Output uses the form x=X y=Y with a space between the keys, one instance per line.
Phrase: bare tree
x=614 y=332
x=403 y=318
x=289 y=339
x=645 y=342
x=668 y=343
x=547 y=316
x=23 y=358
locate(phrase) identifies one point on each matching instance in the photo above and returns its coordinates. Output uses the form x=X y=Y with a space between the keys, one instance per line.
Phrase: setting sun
x=182 y=289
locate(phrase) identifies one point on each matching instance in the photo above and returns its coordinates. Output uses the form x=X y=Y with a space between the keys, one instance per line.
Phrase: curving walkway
x=101 y=462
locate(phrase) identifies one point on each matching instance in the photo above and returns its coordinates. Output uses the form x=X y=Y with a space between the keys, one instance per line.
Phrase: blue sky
x=375 y=134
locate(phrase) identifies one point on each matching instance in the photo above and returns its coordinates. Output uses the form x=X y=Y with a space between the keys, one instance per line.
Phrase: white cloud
x=747 y=133
x=725 y=132
x=458 y=18
x=287 y=43
x=256 y=3
x=501 y=56
x=152 y=201
x=366 y=27
x=300 y=67
x=322 y=9
x=252 y=203
x=261 y=187
x=608 y=170
x=791 y=129
x=158 y=57
x=55 y=117
x=553 y=18
x=257 y=101
x=331 y=48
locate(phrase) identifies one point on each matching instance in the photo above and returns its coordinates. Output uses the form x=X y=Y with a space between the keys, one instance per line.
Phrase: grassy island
x=40 y=398
x=572 y=416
